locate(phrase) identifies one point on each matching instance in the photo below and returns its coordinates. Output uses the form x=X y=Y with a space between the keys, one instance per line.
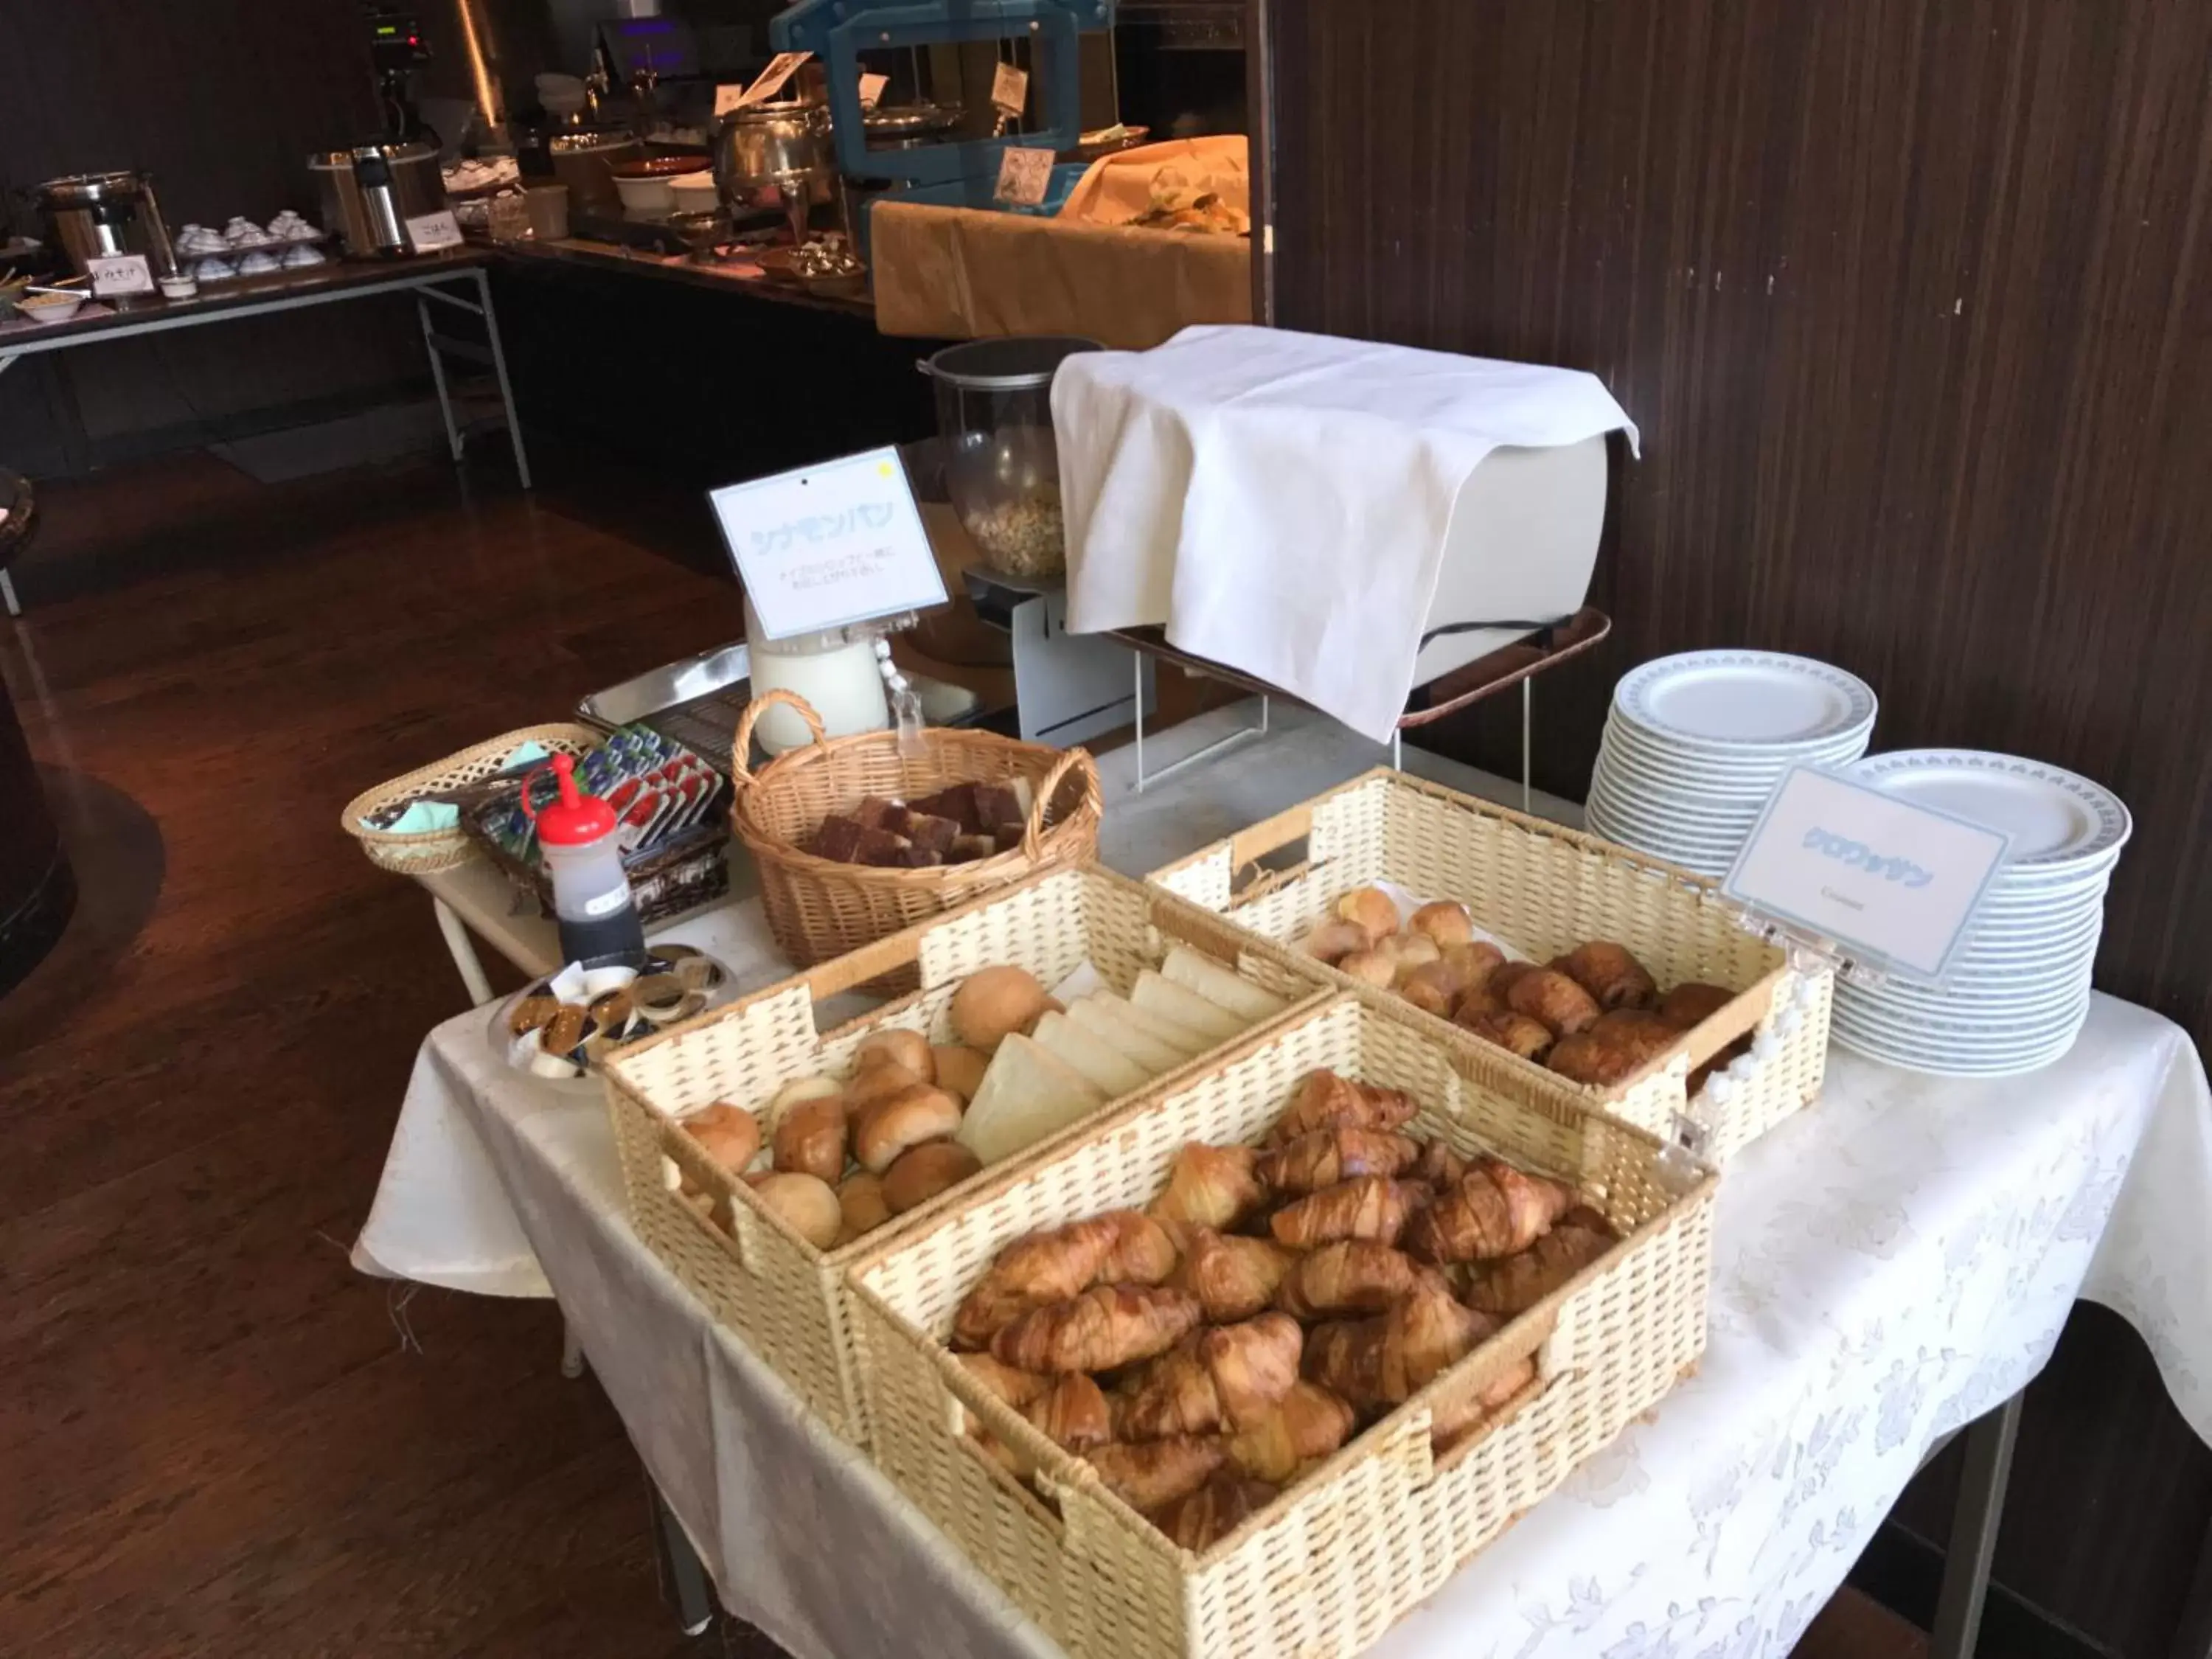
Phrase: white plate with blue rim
x=1736 y=701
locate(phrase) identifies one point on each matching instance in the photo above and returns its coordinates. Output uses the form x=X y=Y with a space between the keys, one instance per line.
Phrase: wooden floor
x=215 y=1437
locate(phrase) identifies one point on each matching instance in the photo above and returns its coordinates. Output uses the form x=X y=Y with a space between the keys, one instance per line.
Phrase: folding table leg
x=506 y=388
x=8 y=595
x=463 y=951
x=438 y=377
x=683 y=1580
x=1973 y=1541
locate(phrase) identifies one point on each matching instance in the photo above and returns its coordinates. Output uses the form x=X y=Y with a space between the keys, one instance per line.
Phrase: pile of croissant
x=1204 y=1352
x=1594 y=1015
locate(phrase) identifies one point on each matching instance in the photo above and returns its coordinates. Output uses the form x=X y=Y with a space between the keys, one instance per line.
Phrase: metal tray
x=698 y=701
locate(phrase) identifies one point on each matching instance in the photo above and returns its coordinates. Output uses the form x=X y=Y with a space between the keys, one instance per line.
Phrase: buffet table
x=1889 y=1266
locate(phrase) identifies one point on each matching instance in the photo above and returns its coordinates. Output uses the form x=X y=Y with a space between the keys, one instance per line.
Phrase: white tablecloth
x=1889 y=1265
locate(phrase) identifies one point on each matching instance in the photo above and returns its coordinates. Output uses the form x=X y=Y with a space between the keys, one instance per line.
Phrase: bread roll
x=900 y=1048
x=806 y=1203
x=917 y=1113
x=877 y=1085
x=1371 y=967
x=810 y=1139
x=925 y=1171
x=994 y=1003
x=1431 y=988
x=861 y=1198
x=1412 y=950
x=1334 y=940
x=959 y=1069
x=1371 y=908
x=729 y=1134
x=1447 y=923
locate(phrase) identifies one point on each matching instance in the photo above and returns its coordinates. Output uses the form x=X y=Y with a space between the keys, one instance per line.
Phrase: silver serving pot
x=771 y=144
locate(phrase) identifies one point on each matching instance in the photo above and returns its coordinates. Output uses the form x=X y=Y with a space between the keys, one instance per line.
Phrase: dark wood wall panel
x=1912 y=300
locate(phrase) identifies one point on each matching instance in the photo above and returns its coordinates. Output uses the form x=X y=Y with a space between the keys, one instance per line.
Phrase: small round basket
x=426 y=851
x=819 y=908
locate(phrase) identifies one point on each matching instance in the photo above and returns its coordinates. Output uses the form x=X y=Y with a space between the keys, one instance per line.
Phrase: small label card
x=1895 y=883
x=1010 y=88
x=120 y=273
x=1024 y=176
x=430 y=231
x=872 y=89
x=728 y=96
x=780 y=68
x=828 y=545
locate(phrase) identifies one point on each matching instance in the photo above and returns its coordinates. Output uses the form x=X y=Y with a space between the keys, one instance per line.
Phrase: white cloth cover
x=1888 y=1265
x=1281 y=500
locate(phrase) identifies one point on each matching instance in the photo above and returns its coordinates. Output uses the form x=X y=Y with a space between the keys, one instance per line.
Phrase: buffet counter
x=1890 y=1265
x=733 y=276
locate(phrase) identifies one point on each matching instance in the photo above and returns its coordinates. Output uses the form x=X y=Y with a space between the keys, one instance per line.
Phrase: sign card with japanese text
x=830 y=545
x=1895 y=883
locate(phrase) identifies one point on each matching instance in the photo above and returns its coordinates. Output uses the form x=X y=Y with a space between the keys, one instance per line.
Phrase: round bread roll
x=1377 y=968
x=729 y=1134
x=1431 y=988
x=861 y=1198
x=959 y=1070
x=1447 y=923
x=1412 y=950
x=877 y=1085
x=1336 y=939
x=1472 y=964
x=806 y=1202
x=898 y=1048
x=924 y=1171
x=810 y=1139
x=802 y=1088
x=907 y=1119
x=993 y=1003
x=1372 y=909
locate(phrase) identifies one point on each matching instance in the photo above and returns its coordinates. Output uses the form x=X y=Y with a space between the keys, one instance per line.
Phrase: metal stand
x=1068 y=687
x=1973 y=1542
x=683 y=1580
x=1145 y=780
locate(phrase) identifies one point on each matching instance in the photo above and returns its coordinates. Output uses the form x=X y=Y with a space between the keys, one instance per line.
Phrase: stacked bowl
x=1695 y=743
x=2017 y=994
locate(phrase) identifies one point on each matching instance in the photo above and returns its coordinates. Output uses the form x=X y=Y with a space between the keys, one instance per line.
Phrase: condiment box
x=786 y=1298
x=1341 y=1555
x=1547 y=889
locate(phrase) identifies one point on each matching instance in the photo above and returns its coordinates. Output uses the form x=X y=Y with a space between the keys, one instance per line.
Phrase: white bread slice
x=1186 y=1007
x=1219 y=986
x=1173 y=1032
x=1026 y=1096
x=1106 y=1067
x=1106 y=1016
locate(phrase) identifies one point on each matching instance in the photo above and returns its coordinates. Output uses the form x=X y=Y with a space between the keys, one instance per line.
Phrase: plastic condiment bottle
x=592 y=900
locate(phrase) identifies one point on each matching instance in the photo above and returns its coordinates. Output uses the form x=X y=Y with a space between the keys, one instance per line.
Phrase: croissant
x=1327 y=1156
x=1386 y=1360
x=1307 y=1422
x=1432 y=987
x=1100 y=1330
x=1518 y=1283
x=1232 y=1278
x=1033 y=1272
x=1369 y=1206
x=1507 y=975
x=1619 y=1044
x=1212 y=1186
x=1692 y=1003
x=1072 y=1413
x=1324 y=1100
x=1142 y=1253
x=1517 y=1034
x=1495 y=1211
x=1158 y=1472
x=1214 y=1510
x=1353 y=1275
x=1016 y=1387
x=1439 y=1165
x=1229 y=1376
x=1613 y=978
x=1550 y=996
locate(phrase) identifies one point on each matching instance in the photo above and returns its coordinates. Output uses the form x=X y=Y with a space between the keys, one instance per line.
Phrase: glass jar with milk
x=834 y=671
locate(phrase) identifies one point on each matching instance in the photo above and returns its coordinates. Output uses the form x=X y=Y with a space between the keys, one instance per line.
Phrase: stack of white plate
x=1695 y=743
x=2017 y=994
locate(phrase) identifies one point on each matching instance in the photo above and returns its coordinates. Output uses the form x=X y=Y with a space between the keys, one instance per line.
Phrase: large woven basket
x=819 y=908
x=1327 y=1567
x=787 y=1299
x=1547 y=889
x=425 y=853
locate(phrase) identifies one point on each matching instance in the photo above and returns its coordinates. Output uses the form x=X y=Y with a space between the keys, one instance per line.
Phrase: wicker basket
x=1332 y=1562
x=819 y=908
x=1547 y=889
x=426 y=852
x=786 y=1298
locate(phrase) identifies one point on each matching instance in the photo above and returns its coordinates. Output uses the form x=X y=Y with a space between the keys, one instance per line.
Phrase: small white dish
x=50 y=307
x=179 y=287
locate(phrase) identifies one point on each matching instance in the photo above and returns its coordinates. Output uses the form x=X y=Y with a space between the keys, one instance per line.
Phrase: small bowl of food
x=51 y=307
x=695 y=192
